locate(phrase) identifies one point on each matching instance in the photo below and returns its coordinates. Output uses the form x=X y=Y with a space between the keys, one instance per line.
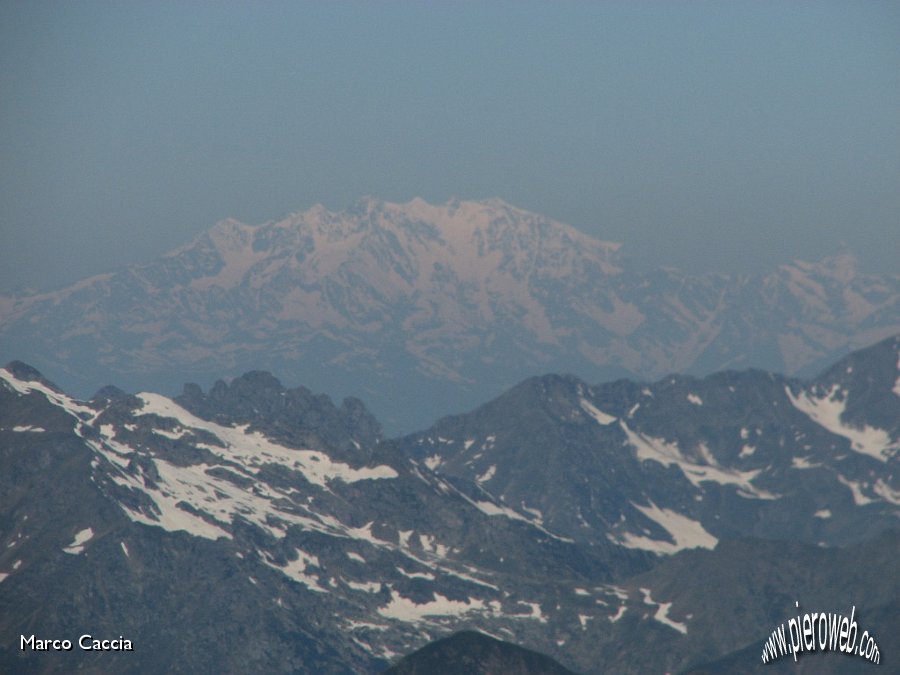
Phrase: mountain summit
x=461 y=300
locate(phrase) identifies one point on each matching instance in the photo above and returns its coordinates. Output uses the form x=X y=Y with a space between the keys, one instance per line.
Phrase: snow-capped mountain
x=570 y=518
x=465 y=299
x=684 y=462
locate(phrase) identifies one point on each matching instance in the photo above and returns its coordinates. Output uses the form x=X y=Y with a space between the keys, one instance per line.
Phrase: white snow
x=601 y=417
x=428 y=544
x=536 y=513
x=254 y=449
x=70 y=405
x=535 y=613
x=803 y=463
x=79 y=542
x=296 y=570
x=468 y=444
x=662 y=612
x=823 y=513
x=356 y=556
x=747 y=450
x=367 y=587
x=885 y=491
x=124 y=549
x=583 y=620
x=433 y=462
x=416 y=575
x=669 y=454
x=826 y=411
x=30 y=428
x=896 y=388
x=696 y=400
x=619 y=613
x=856 y=490
x=685 y=532
x=405 y=610
x=487 y=475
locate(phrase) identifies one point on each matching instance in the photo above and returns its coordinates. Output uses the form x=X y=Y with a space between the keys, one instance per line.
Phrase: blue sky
x=708 y=136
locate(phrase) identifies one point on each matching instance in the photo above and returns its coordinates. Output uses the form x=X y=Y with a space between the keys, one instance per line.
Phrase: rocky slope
x=622 y=527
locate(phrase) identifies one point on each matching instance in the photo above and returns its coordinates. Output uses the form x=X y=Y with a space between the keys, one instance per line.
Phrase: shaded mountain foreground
x=473 y=653
x=623 y=527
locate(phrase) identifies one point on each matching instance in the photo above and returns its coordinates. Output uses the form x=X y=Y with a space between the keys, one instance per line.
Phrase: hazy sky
x=709 y=136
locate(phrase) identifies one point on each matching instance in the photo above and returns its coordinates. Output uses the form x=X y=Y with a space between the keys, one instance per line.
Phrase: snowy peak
x=464 y=298
x=652 y=466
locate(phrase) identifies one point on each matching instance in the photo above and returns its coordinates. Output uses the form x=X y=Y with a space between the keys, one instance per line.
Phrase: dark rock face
x=625 y=527
x=472 y=653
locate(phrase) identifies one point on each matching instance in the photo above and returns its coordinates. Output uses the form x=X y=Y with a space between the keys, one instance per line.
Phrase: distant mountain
x=423 y=309
x=622 y=528
x=473 y=653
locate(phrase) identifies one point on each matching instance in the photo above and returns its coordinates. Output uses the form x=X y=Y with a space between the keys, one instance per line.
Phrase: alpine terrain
x=427 y=309
x=629 y=527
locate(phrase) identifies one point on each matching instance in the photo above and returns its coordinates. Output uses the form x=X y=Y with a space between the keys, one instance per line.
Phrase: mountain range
x=627 y=527
x=425 y=309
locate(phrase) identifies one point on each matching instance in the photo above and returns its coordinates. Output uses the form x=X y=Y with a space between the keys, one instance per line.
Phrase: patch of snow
x=30 y=428
x=405 y=610
x=356 y=556
x=536 y=513
x=255 y=449
x=823 y=513
x=367 y=587
x=885 y=491
x=696 y=400
x=601 y=417
x=745 y=433
x=468 y=444
x=583 y=620
x=433 y=462
x=896 y=388
x=747 y=450
x=124 y=549
x=669 y=454
x=581 y=591
x=416 y=575
x=79 y=542
x=856 y=490
x=827 y=411
x=353 y=625
x=619 y=613
x=487 y=475
x=296 y=570
x=685 y=532
x=77 y=410
x=662 y=613
x=803 y=463
x=535 y=613
x=428 y=544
